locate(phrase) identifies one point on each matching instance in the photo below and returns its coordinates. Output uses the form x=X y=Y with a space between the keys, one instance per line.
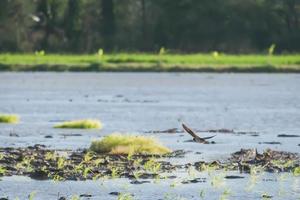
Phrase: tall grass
x=128 y=144
x=81 y=124
x=148 y=62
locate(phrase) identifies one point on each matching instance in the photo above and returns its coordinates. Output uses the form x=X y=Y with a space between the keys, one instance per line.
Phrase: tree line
x=84 y=26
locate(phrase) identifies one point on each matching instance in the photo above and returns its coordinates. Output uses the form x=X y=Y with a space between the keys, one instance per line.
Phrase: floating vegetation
x=296 y=171
x=59 y=165
x=81 y=124
x=32 y=195
x=9 y=118
x=41 y=164
x=250 y=161
x=128 y=145
x=125 y=196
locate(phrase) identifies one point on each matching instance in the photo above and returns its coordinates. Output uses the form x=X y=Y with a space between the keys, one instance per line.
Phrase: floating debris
x=287 y=135
x=85 y=195
x=195 y=180
x=137 y=182
x=234 y=177
x=71 y=134
x=13 y=135
x=269 y=142
x=171 y=130
x=266 y=196
x=115 y=193
x=223 y=130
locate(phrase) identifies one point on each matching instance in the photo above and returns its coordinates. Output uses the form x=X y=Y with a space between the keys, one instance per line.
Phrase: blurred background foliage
x=84 y=26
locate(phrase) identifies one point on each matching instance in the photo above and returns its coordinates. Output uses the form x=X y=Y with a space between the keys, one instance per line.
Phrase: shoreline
x=142 y=62
x=150 y=68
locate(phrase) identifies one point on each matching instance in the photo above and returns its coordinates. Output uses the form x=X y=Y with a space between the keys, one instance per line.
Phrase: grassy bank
x=151 y=62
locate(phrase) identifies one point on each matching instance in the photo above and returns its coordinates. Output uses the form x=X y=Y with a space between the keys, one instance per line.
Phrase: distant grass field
x=151 y=62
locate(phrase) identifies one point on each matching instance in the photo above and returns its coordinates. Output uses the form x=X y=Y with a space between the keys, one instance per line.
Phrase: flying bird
x=196 y=138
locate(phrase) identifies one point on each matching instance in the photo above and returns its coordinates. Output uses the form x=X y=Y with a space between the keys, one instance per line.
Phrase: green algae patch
x=11 y=119
x=128 y=145
x=81 y=124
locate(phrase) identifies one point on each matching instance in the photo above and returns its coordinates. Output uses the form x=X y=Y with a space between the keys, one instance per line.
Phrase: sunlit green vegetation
x=214 y=62
x=81 y=124
x=125 y=196
x=2 y=170
x=128 y=144
x=6 y=118
x=296 y=171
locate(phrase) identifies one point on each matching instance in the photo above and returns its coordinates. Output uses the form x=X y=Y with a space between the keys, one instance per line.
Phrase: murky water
x=267 y=104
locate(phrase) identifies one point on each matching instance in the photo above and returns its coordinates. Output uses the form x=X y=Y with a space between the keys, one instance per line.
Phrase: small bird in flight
x=196 y=138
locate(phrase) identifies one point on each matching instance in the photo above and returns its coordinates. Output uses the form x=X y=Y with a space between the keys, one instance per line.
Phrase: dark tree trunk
x=108 y=23
x=144 y=26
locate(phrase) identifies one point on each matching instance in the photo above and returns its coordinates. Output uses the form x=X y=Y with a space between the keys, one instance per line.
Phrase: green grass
x=81 y=124
x=8 y=118
x=296 y=171
x=128 y=145
x=151 y=62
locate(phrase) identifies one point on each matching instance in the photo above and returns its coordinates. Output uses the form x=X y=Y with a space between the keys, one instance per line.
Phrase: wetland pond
x=244 y=111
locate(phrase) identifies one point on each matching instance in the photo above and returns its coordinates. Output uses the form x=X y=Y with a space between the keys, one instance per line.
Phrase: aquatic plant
x=152 y=166
x=115 y=172
x=128 y=144
x=86 y=171
x=50 y=156
x=191 y=171
x=254 y=176
x=57 y=178
x=217 y=181
x=202 y=194
x=296 y=171
x=81 y=124
x=61 y=162
x=9 y=118
x=282 y=164
x=75 y=197
x=32 y=195
x=225 y=194
x=125 y=196
x=2 y=170
x=175 y=183
x=137 y=174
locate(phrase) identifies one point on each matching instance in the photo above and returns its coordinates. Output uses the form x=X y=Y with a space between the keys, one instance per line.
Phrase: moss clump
x=128 y=144
x=12 y=119
x=81 y=124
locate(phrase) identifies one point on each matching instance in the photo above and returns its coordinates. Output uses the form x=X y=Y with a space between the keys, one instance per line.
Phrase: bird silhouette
x=196 y=138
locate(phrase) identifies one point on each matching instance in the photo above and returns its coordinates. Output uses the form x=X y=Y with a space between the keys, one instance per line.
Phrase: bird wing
x=192 y=133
